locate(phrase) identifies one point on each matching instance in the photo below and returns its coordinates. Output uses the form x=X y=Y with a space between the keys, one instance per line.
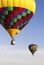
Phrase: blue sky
x=32 y=33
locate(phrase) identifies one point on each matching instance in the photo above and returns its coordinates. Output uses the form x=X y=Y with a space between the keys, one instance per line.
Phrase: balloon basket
x=13 y=41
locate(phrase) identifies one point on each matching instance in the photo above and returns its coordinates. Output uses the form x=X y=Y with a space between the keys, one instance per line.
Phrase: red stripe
x=10 y=16
x=6 y=25
x=25 y=18
x=21 y=20
x=15 y=12
x=17 y=23
x=1 y=9
x=30 y=16
x=14 y=27
x=7 y=20
x=21 y=9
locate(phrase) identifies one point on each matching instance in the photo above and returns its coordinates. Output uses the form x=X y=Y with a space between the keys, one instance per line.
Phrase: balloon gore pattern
x=15 y=17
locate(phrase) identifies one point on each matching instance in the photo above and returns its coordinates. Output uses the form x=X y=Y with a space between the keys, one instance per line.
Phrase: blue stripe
x=20 y=13
x=15 y=16
x=25 y=10
x=5 y=8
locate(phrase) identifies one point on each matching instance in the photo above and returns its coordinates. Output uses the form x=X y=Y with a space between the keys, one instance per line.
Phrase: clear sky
x=32 y=33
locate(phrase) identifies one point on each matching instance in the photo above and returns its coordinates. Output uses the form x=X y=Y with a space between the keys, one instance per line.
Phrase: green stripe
x=24 y=14
x=2 y=21
x=10 y=8
x=28 y=12
x=6 y=12
x=11 y=23
x=15 y=20
x=3 y=17
x=19 y=16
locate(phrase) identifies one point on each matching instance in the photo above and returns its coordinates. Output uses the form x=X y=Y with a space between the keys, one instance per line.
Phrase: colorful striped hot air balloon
x=15 y=14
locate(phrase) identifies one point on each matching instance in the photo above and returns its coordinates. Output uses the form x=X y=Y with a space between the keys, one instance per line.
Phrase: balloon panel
x=14 y=17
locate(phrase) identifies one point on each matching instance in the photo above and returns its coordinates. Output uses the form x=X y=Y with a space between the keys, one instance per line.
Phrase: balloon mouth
x=13 y=32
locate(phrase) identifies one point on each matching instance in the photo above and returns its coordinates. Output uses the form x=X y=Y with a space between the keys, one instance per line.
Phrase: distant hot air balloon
x=33 y=48
x=15 y=14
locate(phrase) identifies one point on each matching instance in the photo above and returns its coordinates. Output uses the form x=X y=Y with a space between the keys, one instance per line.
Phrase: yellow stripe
x=22 y=2
x=0 y=4
x=10 y=3
x=4 y=3
x=29 y=4
x=16 y=3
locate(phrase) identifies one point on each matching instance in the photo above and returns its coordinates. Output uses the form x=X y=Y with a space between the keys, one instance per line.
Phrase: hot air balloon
x=15 y=14
x=33 y=48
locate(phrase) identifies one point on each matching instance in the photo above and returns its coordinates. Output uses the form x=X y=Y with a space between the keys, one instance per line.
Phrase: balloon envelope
x=15 y=14
x=33 y=48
